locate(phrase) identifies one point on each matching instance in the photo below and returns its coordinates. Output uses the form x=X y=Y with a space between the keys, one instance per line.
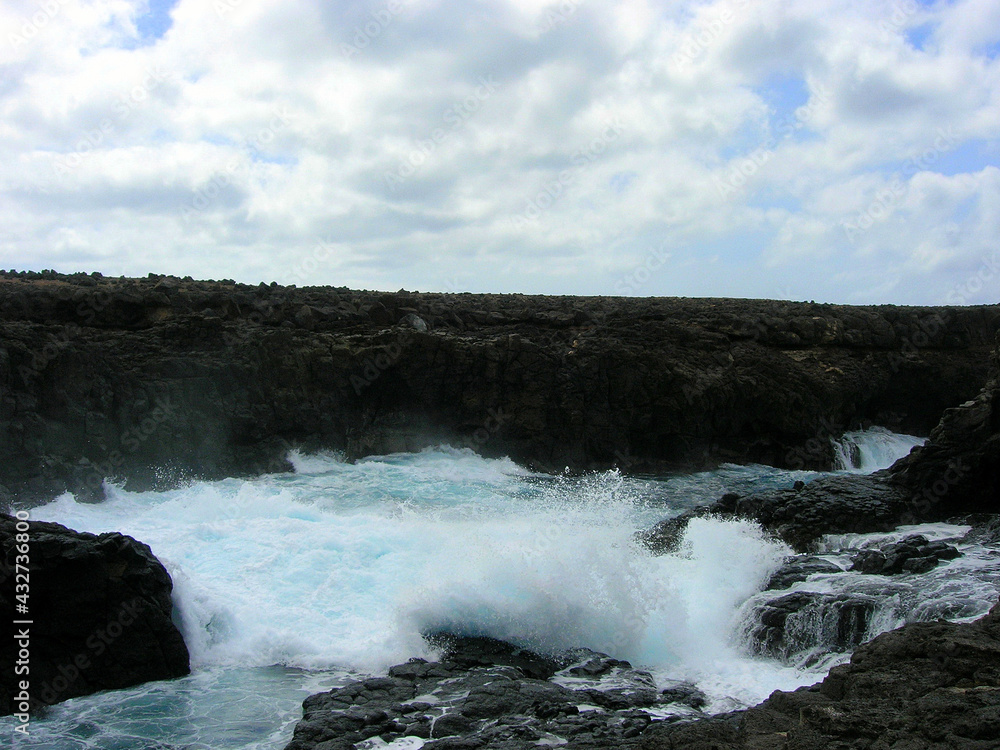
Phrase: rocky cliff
x=152 y=380
x=956 y=473
x=926 y=685
x=94 y=614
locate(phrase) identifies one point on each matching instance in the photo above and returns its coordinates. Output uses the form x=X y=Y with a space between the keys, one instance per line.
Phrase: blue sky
x=835 y=150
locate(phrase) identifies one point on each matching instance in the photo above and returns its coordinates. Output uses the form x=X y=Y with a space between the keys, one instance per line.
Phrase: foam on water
x=865 y=451
x=348 y=565
x=339 y=568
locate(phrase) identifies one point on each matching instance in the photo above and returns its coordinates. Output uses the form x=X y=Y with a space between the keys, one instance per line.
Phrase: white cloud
x=520 y=146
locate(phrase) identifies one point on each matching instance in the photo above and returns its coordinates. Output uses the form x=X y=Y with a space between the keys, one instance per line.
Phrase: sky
x=831 y=150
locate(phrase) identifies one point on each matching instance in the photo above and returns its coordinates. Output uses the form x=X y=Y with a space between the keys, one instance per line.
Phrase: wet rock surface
x=797 y=569
x=926 y=685
x=957 y=473
x=101 y=612
x=828 y=505
x=579 y=699
x=794 y=624
x=914 y=554
x=152 y=381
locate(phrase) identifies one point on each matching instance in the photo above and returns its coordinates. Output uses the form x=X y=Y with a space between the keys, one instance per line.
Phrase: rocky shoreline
x=153 y=381
x=926 y=685
x=956 y=473
x=98 y=615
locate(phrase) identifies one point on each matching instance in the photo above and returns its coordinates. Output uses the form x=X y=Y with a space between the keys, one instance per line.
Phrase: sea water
x=288 y=584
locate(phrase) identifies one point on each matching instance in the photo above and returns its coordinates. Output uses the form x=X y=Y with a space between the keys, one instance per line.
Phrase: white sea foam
x=343 y=566
x=866 y=451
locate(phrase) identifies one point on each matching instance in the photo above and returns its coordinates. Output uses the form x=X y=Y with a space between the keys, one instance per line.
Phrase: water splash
x=867 y=451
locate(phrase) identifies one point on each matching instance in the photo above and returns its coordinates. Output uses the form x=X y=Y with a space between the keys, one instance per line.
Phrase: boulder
x=914 y=554
x=925 y=685
x=491 y=694
x=100 y=614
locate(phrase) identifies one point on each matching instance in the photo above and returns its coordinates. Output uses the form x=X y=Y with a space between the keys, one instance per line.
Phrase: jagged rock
x=925 y=685
x=956 y=472
x=414 y=321
x=797 y=569
x=647 y=384
x=914 y=554
x=686 y=693
x=795 y=624
x=472 y=703
x=828 y=505
x=101 y=611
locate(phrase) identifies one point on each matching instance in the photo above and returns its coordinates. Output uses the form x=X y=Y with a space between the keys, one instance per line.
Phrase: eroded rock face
x=488 y=694
x=828 y=505
x=925 y=685
x=958 y=470
x=792 y=625
x=914 y=554
x=100 y=612
x=955 y=474
x=153 y=380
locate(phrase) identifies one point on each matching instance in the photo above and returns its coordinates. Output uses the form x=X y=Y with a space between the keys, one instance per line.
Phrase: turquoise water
x=292 y=583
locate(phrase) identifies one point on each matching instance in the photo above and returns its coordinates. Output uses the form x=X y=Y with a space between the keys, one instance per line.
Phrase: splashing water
x=291 y=583
x=865 y=451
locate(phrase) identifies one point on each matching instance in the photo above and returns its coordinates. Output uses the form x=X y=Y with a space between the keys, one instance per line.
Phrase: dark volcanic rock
x=956 y=473
x=828 y=505
x=958 y=470
x=914 y=554
x=465 y=652
x=464 y=701
x=100 y=608
x=150 y=381
x=796 y=624
x=797 y=569
x=926 y=686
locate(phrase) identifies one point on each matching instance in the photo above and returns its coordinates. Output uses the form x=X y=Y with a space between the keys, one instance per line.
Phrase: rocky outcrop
x=96 y=614
x=800 y=516
x=926 y=685
x=484 y=693
x=826 y=623
x=914 y=554
x=955 y=474
x=958 y=470
x=149 y=381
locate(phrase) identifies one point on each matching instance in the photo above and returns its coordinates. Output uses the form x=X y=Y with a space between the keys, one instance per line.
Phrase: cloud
x=837 y=150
